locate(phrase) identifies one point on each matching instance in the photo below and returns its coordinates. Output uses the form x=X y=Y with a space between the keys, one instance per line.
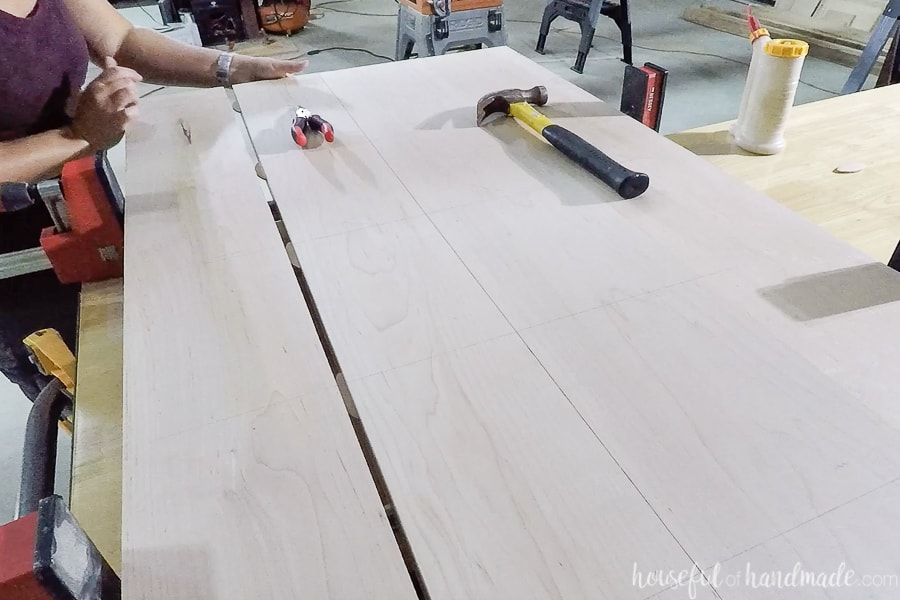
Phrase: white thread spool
x=758 y=39
x=772 y=96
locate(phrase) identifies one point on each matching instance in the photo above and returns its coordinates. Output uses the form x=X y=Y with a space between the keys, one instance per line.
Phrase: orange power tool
x=86 y=242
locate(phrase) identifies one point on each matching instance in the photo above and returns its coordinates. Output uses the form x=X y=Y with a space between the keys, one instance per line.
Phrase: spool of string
x=759 y=37
x=771 y=97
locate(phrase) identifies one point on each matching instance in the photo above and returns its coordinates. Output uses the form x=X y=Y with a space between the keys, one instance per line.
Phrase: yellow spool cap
x=758 y=34
x=787 y=48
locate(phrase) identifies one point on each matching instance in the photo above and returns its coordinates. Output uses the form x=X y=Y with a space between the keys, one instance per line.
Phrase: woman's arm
x=36 y=157
x=160 y=59
x=104 y=109
x=164 y=61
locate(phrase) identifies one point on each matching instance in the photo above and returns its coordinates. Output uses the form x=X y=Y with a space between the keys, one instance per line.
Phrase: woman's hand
x=106 y=106
x=245 y=69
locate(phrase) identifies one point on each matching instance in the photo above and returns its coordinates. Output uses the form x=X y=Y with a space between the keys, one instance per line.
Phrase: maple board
x=561 y=386
x=242 y=476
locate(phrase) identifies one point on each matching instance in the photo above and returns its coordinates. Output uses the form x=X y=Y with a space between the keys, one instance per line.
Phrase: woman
x=46 y=120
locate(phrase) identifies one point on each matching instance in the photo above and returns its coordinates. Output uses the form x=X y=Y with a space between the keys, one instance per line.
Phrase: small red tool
x=306 y=122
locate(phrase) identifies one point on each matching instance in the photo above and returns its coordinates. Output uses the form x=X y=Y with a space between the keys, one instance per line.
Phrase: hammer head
x=497 y=104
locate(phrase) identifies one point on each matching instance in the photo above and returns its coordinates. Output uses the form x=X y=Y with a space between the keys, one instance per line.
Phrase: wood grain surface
x=563 y=387
x=860 y=208
x=97 y=445
x=243 y=478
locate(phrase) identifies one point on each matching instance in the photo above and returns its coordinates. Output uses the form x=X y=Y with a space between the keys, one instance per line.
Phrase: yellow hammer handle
x=530 y=116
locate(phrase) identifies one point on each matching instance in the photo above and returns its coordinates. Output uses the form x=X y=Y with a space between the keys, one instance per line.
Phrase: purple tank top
x=43 y=62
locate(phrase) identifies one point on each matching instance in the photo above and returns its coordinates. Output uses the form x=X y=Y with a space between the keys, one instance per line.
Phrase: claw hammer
x=521 y=104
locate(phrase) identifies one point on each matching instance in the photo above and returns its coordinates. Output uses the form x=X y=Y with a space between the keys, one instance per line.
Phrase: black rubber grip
x=627 y=183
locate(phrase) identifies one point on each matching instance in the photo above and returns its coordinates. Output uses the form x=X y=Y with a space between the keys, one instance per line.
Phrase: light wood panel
x=242 y=474
x=847 y=536
x=860 y=208
x=475 y=439
x=713 y=420
x=97 y=444
x=503 y=490
x=728 y=432
x=367 y=196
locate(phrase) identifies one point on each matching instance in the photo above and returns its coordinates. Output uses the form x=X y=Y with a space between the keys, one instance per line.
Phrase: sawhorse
x=434 y=28
x=587 y=14
x=886 y=29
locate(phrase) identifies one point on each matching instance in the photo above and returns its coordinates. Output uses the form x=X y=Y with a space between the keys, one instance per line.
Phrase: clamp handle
x=304 y=122
x=298 y=131
x=317 y=123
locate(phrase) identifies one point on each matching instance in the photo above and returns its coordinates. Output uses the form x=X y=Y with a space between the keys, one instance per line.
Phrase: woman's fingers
x=283 y=68
x=117 y=94
x=124 y=97
x=112 y=71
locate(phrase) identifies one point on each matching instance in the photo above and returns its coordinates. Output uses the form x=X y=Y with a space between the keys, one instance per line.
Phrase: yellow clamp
x=52 y=357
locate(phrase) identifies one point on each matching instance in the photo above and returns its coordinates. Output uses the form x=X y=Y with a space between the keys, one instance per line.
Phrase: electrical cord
x=345 y=49
x=326 y=6
x=356 y=12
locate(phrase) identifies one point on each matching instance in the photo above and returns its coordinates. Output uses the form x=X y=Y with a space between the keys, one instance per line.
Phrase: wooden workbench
x=861 y=208
x=818 y=341
x=96 y=498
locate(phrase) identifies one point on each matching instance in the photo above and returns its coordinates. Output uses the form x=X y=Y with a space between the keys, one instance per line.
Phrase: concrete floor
x=707 y=68
x=707 y=71
x=14 y=407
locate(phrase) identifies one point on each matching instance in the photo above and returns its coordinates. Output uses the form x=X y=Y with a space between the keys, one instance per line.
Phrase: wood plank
x=627 y=310
x=502 y=489
x=834 y=18
x=802 y=8
x=788 y=23
x=862 y=14
x=839 y=45
x=427 y=357
x=242 y=475
x=772 y=469
x=846 y=536
x=96 y=499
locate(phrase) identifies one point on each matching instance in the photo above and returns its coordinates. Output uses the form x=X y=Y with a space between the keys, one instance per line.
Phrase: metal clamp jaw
x=18 y=196
x=441 y=7
x=50 y=192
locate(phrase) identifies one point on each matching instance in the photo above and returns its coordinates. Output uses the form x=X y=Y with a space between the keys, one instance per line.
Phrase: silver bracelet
x=223 y=69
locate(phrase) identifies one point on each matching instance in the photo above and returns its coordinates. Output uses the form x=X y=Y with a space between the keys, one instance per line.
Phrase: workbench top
x=96 y=498
x=860 y=208
x=562 y=389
